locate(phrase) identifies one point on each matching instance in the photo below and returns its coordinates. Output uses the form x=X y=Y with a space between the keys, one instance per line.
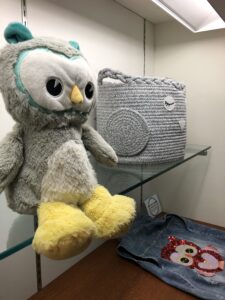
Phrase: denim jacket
x=181 y=252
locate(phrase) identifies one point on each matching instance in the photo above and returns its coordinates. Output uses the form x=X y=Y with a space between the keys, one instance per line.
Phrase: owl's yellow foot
x=112 y=215
x=63 y=230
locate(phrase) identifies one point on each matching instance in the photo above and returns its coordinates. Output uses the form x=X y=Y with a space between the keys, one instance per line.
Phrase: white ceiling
x=146 y=9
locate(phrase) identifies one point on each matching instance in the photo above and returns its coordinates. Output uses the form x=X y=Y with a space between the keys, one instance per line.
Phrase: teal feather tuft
x=16 y=33
x=74 y=44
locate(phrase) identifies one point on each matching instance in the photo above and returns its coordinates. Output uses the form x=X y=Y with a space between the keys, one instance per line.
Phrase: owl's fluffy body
x=39 y=151
x=38 y=135
x=44 y=167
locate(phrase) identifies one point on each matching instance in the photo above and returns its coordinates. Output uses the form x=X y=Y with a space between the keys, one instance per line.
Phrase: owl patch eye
x=189 y=250
x=184 y=260
x=181 y=259
x=54 y=87
x=89 y=90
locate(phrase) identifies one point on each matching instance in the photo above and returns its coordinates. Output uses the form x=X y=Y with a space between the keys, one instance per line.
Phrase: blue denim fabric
x=146 y=239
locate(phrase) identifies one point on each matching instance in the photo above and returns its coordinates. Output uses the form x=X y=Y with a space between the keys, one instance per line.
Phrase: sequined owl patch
x=206 y=261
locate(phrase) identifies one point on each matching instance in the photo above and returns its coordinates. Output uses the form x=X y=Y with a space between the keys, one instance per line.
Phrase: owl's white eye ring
x=181 y=259
x=54 y=86
x=187 y=249
x=89 y=90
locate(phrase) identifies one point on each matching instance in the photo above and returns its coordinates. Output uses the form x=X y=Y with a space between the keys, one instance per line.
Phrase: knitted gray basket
x=143 y=119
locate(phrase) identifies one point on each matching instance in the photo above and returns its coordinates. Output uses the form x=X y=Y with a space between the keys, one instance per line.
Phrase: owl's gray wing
x=11 y=156
x=95 y=143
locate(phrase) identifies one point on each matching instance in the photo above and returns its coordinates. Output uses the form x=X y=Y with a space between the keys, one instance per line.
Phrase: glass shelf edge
x=16 y=248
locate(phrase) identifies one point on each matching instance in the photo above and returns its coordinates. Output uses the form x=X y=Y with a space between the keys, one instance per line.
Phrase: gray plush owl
x=49 y=90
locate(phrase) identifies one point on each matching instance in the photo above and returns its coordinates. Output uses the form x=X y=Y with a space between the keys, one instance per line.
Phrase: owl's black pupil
x=189 y=250
x=184 y=260
x=54 y=87
x=89 y=90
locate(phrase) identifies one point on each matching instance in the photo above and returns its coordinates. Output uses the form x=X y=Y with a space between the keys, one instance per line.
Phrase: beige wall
x=196 y=190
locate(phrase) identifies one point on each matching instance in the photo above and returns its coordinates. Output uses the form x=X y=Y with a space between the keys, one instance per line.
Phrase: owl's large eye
x=184 y=260
x=54 y=87
x=189 y=250
x=181 y=259
x=89 y=90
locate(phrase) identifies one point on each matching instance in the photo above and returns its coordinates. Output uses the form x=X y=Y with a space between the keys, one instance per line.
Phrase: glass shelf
x=18 y=229
x=124 y=178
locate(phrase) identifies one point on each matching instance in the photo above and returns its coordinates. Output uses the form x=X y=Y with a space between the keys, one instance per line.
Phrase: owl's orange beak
x=76 y=96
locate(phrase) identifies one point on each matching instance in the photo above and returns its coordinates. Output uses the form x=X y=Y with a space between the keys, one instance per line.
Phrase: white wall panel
x=149 y=48
x=196 y=190
x=18 y=275
x=109 y=35
x=17 y=272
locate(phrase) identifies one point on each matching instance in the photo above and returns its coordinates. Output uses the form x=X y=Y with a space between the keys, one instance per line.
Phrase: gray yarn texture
x=142 y=118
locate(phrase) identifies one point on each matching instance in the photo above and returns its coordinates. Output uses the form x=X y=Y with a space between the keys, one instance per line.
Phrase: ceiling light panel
x=197 y=15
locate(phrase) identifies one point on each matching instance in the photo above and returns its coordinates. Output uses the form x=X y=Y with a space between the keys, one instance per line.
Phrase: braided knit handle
x=109 y=73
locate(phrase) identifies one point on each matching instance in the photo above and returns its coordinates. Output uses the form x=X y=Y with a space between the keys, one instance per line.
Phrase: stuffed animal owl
x=49 y=90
